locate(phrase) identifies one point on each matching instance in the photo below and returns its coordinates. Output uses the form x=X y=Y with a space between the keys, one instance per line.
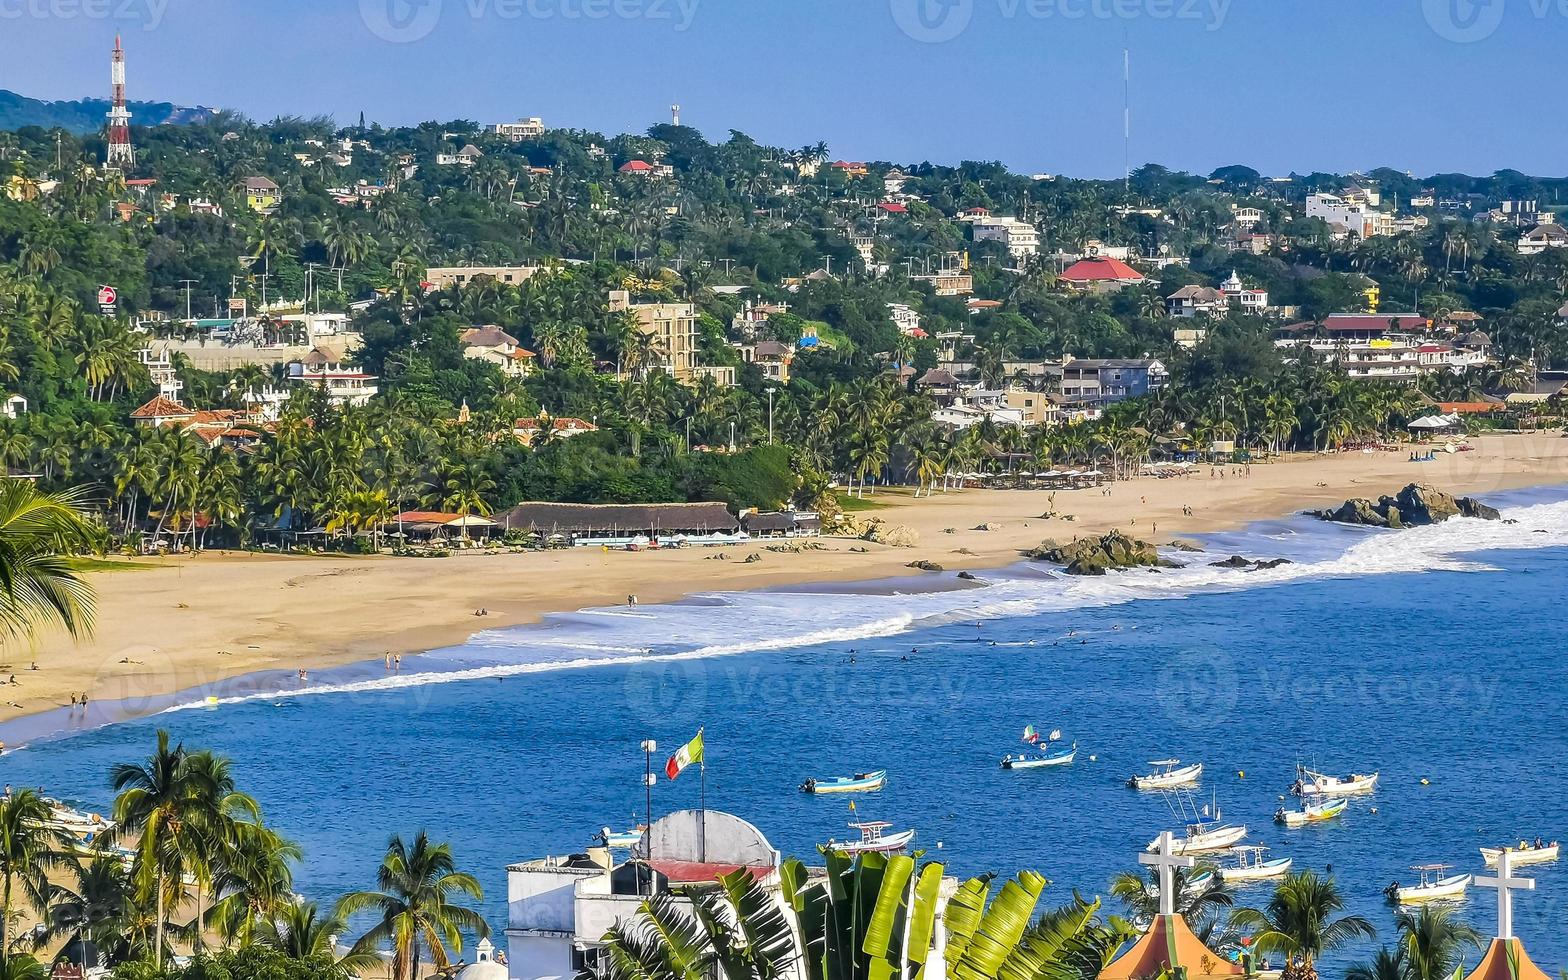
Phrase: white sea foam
x=725 y=624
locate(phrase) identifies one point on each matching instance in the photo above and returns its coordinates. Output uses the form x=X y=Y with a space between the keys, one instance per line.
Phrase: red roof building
x=636 y=167
x=893 y=207
x=1101 y=273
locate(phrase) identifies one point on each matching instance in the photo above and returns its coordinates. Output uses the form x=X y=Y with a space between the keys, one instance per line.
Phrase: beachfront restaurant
x=432 y=527
x=626 y=526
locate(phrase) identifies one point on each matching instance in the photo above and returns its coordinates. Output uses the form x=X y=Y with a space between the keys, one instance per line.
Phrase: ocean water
x=1431 y=654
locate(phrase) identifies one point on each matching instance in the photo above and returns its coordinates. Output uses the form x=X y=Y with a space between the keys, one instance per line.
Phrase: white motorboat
x=873 y=840
x=1167 y=773
x=1203 y=838
x=1043 y=758
x=1251 y=866
x=1526 y=853
x=1319 y=812
x=1312 y=783
x=1434 y=886
x=73 y=821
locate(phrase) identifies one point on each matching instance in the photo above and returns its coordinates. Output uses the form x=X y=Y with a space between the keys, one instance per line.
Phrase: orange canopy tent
x=1506 y=959
x=1170 y=944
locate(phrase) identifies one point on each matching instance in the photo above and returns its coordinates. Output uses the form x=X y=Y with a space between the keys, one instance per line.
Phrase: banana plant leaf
x=1000 y=928
x=886 y=920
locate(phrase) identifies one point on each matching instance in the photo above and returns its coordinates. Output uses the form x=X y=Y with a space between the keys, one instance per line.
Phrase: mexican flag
x=684 y=756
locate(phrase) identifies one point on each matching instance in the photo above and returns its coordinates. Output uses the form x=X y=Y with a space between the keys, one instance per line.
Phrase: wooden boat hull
x=1532 y=855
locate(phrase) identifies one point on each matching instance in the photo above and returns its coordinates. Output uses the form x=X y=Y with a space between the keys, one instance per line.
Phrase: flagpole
x=702 y=798
x=649 y=747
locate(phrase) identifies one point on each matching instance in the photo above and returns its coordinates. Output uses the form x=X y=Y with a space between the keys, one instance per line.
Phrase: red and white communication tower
x=121 y=154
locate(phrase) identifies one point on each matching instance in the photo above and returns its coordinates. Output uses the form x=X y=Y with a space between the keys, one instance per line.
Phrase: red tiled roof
x=1101 y=268
x=162 y=408
x=1469 y=408
x=636 y=167
x=893 y=208
x=691 y=872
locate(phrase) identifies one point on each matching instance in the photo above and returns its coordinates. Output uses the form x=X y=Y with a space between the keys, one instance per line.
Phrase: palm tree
x=22 y=968
x=253 y=884
x=302 y=933
x=29 y=847
x=38 y=587
x=1195 y=900
x=1433 y=941
x=157 y=802
x=1388 y=964
x=93 y=911
x=1298 y=923
x=414 y=906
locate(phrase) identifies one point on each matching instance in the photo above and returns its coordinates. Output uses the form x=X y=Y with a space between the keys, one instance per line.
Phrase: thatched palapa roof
x=586 y=519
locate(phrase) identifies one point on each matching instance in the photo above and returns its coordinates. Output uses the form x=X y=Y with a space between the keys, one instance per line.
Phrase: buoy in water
x=212 y=701
x=1374 y=809
x=1425 y=782
x=1241 y=774
x=1094 y=758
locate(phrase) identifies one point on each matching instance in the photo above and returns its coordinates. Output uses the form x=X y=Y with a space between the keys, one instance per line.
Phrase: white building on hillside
x=524 y=129
x=1021 y=238
x=328 y=371
x=1357 y=217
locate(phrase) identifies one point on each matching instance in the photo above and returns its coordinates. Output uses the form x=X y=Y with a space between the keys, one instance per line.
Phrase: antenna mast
x=121 y=156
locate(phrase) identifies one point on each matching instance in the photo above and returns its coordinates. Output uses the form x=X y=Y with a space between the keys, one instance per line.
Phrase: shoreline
x=177 y=625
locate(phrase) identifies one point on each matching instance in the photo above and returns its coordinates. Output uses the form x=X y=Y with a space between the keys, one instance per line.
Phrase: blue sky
x=1421 y=85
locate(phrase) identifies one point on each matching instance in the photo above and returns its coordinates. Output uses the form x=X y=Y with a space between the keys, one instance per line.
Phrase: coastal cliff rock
x=1097 y=556
x=878 y=531
x=1414 y=506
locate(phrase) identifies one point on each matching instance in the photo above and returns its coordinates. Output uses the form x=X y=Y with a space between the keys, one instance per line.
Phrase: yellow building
x=673 y=325
x=262 y=194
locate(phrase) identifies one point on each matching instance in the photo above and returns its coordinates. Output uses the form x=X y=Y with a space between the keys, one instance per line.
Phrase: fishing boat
x=861 y=782
x=1167 y=773
x=624 y=839
x=1044 y=757
x=873 y=840
x=1206 y=829
x=1251 y=866
x=1311 y=813
x=1312 y=783
x=1434 y=886
x=1526 y=853
x=73 y=821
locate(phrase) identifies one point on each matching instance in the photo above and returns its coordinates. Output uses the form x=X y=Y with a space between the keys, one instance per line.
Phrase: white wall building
x=905 y=318
x=1359 y=218
x=1021 y=238
x=559 y=908
x=326 y=370
x=524 y=129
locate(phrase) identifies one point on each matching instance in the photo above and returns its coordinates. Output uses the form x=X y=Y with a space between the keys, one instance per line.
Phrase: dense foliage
x=364 y=211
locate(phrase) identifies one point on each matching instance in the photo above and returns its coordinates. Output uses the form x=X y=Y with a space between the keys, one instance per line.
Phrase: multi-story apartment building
x=524 y=129
x=674 y=327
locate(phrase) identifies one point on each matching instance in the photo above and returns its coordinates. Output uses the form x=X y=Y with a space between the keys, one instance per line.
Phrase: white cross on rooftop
x=1167 y=860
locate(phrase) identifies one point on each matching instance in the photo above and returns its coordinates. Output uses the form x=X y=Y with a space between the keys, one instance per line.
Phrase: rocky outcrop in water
x=1249 y=564
x=1414 y=506
x=1097 y=556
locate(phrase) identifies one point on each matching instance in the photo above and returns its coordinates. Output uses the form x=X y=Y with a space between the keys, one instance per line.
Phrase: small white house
x=15 y=406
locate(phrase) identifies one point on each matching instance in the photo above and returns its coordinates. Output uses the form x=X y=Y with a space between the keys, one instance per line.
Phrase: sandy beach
x=175 y=624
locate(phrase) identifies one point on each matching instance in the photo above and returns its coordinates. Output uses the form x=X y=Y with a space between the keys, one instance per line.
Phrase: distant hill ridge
x=87 y=115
